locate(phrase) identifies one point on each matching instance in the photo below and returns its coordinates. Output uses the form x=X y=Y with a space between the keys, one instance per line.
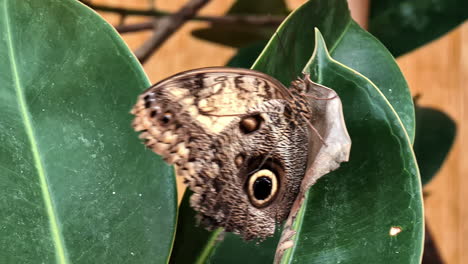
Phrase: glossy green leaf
x=435 y=133
x=238 y=36
x=404 y=25
x=234 y=250
x=76 y=184
x=350 y=214
x=290 y=49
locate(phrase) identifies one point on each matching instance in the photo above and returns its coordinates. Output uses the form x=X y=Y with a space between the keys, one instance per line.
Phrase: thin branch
x=166 y=26
x=125 y=11
x=231 y=20
x=243 y=20
x=125 y=28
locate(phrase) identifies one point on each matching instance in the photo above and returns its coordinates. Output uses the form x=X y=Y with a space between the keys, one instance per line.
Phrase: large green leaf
x=290 y=49
x=435 y=134
x=284 y=58
x=350 y=214
x=234 y=250
x=404 y=25
x=76 y=184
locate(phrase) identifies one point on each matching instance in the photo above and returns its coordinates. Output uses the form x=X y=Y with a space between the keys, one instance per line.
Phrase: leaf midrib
x=338 y=40
x=51 y=213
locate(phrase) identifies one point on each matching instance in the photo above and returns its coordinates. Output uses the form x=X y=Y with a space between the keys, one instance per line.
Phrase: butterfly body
x=241 y=140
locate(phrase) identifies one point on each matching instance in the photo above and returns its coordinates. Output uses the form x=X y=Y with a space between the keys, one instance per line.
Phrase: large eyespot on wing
x=263 y=180
x=262 y=187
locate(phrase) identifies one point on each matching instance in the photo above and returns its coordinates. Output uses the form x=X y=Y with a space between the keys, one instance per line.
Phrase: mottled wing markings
x=214 y=99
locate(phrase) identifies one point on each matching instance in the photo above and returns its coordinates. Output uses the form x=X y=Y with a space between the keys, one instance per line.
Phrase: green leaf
x=284 y=58
x=435 y=134
x=349 y=215
x=77 y=185
x=404 y=25
x=235 y=250
x=289 y=50
x=238 y=36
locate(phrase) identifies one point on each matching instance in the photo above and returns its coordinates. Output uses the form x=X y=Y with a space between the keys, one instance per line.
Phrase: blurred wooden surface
x=438 y=71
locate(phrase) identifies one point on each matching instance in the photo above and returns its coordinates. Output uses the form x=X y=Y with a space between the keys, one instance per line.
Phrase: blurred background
x=437 y=72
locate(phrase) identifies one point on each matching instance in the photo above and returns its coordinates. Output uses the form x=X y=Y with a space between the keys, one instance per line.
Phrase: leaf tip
x=320 y=54
x=320 y=49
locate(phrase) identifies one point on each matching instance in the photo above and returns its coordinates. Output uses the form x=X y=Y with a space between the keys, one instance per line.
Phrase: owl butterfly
x=247 y=146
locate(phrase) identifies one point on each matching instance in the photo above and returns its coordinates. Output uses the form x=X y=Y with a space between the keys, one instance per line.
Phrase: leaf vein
x=53 y=219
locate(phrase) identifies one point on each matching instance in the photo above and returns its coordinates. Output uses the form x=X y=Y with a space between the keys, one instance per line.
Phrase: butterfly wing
x=201 y=101
x=329 y=144
x=227 y=133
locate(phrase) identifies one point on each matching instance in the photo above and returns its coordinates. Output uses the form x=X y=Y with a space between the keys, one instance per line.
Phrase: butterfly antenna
x=264 y=160
x=311 y=126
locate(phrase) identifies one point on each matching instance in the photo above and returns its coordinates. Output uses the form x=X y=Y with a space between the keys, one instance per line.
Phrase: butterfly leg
x=317 y=98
